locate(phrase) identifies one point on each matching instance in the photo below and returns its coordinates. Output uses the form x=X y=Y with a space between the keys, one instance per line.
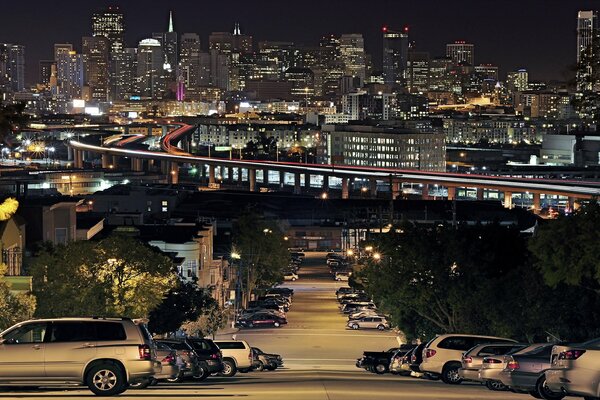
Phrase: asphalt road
x=319 y=356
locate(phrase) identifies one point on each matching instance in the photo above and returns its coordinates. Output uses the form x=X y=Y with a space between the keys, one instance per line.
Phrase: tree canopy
x=118 y=275
x=13 y=307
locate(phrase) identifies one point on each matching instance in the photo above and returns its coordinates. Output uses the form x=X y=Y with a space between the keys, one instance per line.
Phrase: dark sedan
x=259 y=320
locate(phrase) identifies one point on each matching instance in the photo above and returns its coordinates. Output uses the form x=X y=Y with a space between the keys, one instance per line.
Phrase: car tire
x=250 y=325
x=381 y=327
x=496 y=386
x=106 y=379
x=229 y=369
x=141 y=384
x=177 y=379
x=546 y=393
x=202 y=373
x=260 y=366
x=276 y=324
x=272 y=367
x=380 y=369
x=355 y=327
x=450 y=374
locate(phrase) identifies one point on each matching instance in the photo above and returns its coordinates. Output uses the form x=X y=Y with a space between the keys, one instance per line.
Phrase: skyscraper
x=352 y=54
x=16 y=67
x=96 y=67
x=150 y=63
x=110 y=24
x=587 y=29
x=69 y=73
x=123 y=74
x=169 y=43
x=45 y=71
x=461 y=52
x=395 y=56
x=189 y=60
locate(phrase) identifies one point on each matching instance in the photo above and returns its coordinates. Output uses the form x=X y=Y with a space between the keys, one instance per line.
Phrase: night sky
x=536 y=34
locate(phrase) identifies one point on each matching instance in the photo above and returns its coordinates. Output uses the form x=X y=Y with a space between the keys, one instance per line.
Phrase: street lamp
x=376 y=256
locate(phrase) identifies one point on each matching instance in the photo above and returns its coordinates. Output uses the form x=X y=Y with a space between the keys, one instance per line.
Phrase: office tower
x=440 y=79
x=189 y=60
x=69 y=74
x=352 y=54
x=241 y=43
x=45 y=72
x=587 y=30
x=221 y=41
x=204 y=77
x=123 y=74
x=461 y=52
x=4 y=80
x=219 y=70
x=330 y=67
x=417 y=72
x=395 y=56
x=14 y=67
x=110 y=24
x=95 y=52
x=150 y=66
x=517 y=81
x=62 y=48
x=169 y=43
x=487 y=72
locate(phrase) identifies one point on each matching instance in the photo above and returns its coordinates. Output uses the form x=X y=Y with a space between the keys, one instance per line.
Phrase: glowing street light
x=376 y=256
x=369 y=248
x=235 y=255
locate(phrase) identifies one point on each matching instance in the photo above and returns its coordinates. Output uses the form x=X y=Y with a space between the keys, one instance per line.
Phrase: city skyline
x=555 y=41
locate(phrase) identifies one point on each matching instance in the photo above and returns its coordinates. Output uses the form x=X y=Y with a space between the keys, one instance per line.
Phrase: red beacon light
x=384 y=28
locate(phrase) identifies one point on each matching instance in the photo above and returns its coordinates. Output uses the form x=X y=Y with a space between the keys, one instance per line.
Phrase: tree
x=116 y=276
x=12 y=120
x=567 y=249
x=263 y=252
x=208 y=323
x=185 y=302
x=13 y=307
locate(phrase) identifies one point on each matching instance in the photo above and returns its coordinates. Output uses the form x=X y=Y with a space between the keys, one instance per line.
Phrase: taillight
x=214 y=356
x=570 y=354
x=168 y=359
x=429 y=353
x=468 y=359
x=512 y=365
x=491 y=361
x=145 y=353
x=413 y=359
x=250 y=355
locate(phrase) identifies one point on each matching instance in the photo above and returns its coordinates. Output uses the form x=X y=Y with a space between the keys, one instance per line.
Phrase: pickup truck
x=379 y=361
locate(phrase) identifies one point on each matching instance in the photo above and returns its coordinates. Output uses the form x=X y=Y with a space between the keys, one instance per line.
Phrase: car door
x=22 y=352
x=70 y=346
x=367 y=322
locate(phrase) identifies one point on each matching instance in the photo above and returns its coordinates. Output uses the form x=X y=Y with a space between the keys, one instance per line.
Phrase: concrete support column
x=150 y=163
x=571 y=203
x=281 y=178
x=479 y=193
x=106 y=159
x=451 y=192
x=230 y=174
x=508 y=199
x=137 y=164
x=265 y=176
x=537 y=204
x=425 y=191
x=211 y=174
x=115 y=161
x=240 y=171
x=173 y=177
x=345 y=191
x=373 y=187
x=252 y=179
x=297 y=184
x=70 y=155
x=306 y=180
x=396 y=189
x=325 y=183
x=77 y=159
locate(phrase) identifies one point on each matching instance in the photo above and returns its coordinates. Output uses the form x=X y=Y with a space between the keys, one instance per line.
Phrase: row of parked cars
x=268 y=311
x=361 y=311
x=110 y=355
x=339 y=267
x=291 y=272
x=544 y=370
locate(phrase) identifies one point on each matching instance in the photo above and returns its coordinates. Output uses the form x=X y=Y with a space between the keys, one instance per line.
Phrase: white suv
x=237 y=355
x=105 y=354
x=442 y=355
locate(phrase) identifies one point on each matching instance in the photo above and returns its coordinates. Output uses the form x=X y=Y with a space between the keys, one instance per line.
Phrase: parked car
x=442 y=355
x=492 y=367
x=342 y=276
x=208 y=357
x=365 y=313
x=416 y=358
x=250 y=311
x=282 y=290
x=237 y=356
x=261 y=320
x=379 y=361
x=400 y=362
x=575 y=370
x=104 y=354
x=359 y=306
x=343 y=290
x=369 y=323
x=169 y=362
x=189 y=367
x=353 y=298
x=290 y=276
x=524 y=373
x=472 y=359
x=266 y=361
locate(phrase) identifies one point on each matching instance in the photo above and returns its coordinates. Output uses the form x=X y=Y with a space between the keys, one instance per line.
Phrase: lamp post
x=238 y=282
